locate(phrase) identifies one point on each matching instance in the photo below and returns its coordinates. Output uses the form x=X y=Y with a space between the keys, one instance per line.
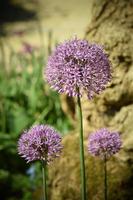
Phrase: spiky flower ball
x=40 y=142
x=77 y=66
x=104 y=143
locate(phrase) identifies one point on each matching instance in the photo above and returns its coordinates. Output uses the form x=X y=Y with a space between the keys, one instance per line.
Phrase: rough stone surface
x=111 y=26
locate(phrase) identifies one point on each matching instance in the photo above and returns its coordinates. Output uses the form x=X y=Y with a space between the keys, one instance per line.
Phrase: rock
x=64 y=179
x=111 y=26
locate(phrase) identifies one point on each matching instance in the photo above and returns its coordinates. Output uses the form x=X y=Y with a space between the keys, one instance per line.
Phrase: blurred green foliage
x=25 y=99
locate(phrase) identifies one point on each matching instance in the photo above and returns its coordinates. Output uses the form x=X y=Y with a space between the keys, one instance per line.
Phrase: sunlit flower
x=77 y=66
x=104 y=143
x=41 y=142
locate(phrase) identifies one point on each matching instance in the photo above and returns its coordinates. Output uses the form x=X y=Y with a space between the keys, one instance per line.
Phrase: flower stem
x=105 y=178
x=82 y=161
x=44 y=181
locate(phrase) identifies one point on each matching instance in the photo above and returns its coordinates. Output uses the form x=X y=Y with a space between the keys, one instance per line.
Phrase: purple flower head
x=41 y=142
x=104 y=143
x=76 y=66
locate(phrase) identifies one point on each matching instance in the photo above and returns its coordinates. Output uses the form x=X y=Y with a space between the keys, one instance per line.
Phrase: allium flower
x=104 y=143
x=76 y=66
x=41 y=142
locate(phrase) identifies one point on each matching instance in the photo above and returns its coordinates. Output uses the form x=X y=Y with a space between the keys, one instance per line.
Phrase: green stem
x=105 y=178
x=44 y=180
x=82 y=161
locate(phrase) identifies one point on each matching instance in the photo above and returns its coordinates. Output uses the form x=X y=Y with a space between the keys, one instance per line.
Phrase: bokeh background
x=29 y=31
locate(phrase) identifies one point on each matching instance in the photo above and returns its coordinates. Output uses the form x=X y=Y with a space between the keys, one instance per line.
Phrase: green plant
x=25 y=100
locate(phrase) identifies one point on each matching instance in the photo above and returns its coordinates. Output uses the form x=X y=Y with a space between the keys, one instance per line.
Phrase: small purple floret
x=77 y=66
x=104 y=143
x=41 y=142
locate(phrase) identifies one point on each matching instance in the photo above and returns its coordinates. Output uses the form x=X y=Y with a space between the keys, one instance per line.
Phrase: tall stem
x=105 y=178
x=82 y=162
x=44 y=180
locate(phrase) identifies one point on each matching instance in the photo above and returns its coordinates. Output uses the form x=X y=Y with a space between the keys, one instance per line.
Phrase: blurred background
x=29 y=31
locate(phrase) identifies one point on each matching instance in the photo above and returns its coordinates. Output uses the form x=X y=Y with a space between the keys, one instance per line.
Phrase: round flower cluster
x=77 y=66
x=104 y=143
x=41 y=142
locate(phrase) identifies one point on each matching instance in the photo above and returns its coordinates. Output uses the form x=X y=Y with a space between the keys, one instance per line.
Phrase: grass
x=25 y=99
